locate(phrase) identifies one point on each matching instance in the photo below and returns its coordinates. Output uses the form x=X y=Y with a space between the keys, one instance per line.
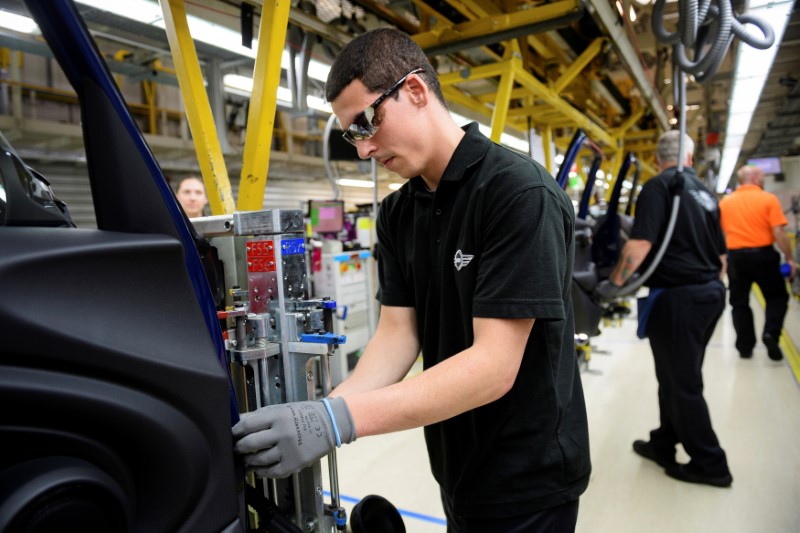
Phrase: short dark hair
x=378 y=59
x=190 y=177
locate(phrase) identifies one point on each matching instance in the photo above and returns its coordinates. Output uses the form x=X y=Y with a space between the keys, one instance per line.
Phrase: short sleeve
x=651 y=212
x=392 y=287
x=524 y=258
x=775 y=213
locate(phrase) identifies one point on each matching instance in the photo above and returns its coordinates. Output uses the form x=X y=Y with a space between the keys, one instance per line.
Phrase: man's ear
x=417 y=90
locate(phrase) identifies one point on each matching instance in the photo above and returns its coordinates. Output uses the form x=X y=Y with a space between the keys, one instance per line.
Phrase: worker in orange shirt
x=753 y=221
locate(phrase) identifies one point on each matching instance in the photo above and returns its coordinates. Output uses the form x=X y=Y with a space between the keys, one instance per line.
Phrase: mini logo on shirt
x=705 y=200
x=461 y=260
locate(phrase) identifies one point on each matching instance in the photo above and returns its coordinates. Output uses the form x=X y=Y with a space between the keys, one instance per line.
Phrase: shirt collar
x=470 y=150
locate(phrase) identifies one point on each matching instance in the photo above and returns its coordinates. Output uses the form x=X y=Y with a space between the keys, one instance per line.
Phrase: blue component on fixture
x=323 y=338
x=293 y=246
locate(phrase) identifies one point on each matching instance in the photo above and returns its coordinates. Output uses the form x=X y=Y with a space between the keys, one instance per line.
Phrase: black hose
x=707 y=27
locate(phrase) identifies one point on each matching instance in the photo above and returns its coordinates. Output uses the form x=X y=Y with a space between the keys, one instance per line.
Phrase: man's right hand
x=278 y=440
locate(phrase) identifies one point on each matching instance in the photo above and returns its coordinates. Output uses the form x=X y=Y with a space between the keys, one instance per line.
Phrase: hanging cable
x=707 y=27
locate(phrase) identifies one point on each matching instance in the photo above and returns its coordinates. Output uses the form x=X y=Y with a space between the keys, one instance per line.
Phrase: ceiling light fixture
x=18 y=23
x=752 y=68
x=346 y=182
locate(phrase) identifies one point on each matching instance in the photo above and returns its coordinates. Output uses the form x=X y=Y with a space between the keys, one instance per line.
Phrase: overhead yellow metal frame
x=621 y=131
x=646 y=135
x=503 y=99
x=263 y=103
x=149 y=88
x=579 y=64
x=442 y=34
x=472 y=9
x=454 y=95
x=198 y=109
x=547 y=141
x=567 y=114
x=552 y=98
x=474 y=73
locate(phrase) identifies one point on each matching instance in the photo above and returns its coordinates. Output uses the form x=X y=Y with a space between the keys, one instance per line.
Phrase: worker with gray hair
x=753 y=221
x=686 y=299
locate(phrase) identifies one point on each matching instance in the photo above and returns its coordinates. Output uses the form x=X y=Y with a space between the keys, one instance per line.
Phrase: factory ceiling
x=575 y=63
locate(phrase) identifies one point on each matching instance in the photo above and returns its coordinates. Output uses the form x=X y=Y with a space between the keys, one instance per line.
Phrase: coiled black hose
x=707 y=27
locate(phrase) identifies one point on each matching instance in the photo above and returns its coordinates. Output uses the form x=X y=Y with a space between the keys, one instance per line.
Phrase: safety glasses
x=362 y=127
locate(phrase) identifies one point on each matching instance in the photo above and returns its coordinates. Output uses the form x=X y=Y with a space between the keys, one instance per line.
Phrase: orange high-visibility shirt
x=748 y=216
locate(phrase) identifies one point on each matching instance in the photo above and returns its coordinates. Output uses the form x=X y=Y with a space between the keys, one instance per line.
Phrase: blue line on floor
x=403 y=512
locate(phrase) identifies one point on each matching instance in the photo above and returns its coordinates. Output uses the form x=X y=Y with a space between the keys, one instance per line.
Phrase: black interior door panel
x=105 y=359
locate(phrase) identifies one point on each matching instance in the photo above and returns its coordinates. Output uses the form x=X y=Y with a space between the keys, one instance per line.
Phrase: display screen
x=327 y=216
x=768 y=165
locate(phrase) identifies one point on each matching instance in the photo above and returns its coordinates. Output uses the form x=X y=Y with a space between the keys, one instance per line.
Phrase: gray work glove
x=606 y=291
x=278 y=440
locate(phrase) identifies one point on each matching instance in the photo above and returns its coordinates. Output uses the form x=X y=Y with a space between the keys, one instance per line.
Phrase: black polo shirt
x=496 y=239
x=693 y=254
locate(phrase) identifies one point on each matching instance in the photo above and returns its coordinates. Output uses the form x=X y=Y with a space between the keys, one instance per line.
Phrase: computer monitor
x=327 y=216
x=768 y=165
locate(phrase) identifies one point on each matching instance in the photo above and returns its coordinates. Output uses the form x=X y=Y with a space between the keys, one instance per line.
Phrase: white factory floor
x=755 y=410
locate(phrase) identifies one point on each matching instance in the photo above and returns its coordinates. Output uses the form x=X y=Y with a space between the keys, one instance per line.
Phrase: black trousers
x=760 y=266
x=679 y=328
x=559 y=519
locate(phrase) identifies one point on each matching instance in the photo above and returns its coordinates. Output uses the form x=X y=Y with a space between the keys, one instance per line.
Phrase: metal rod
x=333 y=471
x=681 y=105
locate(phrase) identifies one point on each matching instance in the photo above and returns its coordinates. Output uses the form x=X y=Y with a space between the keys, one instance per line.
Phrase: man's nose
x=365 y=148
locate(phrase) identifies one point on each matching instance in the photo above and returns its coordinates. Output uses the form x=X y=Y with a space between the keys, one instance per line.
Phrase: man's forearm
x=382 y=363
x=389 y=354
x=783 y=243
x=633 y=254
x=474 y=377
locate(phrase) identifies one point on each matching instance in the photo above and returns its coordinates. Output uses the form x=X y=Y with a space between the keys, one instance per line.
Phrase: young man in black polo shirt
x=475 y=268
x=689 y=299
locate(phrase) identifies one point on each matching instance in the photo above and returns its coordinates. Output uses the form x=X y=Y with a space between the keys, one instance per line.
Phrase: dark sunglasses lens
x=359 y=130
x=362 y=122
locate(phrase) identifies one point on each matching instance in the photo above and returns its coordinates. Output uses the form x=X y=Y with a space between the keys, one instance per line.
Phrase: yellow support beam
x=473 y=73
x=641 y=146
x=596 y=131
x=538 y=113
x=555 y=49
x=579 y=64
x=503 y=100
x=621 y=131
x=489 y=98
x=643 y=135
x=263 y=103
x=149 y=88
x=536 y=43
x=489 y=25
x=454 y=95
x=472 y=10
x=648 y=170
x=198 y=109
x=547 y=140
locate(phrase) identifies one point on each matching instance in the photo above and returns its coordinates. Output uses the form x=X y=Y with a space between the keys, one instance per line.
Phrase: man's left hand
x=606 y=291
